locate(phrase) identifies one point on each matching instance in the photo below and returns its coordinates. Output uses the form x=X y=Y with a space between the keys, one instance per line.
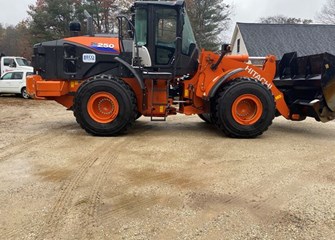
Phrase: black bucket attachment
x=308 y=84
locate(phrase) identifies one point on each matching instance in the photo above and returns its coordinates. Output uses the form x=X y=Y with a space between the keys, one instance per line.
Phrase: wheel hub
x=103 y=107
x=106 y=106
x=247 y=109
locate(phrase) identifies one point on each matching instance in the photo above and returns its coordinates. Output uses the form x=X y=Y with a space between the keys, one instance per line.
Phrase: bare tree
x=281 y=19
x=15 y=40
x=327 y=13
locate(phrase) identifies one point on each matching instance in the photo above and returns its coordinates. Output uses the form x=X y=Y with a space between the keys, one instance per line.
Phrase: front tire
x=105 y=106
x=244 y=108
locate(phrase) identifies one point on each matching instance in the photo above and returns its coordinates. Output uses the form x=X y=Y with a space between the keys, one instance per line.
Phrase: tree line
x=50 y=19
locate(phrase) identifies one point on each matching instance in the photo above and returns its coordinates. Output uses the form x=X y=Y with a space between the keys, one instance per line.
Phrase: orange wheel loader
x=154 y=68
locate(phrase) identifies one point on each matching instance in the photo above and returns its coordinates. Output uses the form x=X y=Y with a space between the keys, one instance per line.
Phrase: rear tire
x=105 y=106
x=138 y=115
x=206 y=117
x=244 y=108
x=24 y=93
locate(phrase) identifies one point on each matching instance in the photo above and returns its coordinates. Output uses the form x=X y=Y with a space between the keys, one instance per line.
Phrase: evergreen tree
x=51 y=18
x=209 y=18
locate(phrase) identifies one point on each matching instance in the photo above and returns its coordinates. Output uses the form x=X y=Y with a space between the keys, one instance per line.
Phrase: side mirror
x=226 y=48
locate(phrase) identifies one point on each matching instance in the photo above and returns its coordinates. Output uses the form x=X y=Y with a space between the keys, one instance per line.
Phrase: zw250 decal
x=104 y=47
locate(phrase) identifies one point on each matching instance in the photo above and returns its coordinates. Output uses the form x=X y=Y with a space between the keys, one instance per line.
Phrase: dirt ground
x=179 y=179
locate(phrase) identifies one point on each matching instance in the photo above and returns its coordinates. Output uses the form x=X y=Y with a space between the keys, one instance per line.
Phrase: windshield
x=188 y=36
x=22 y=62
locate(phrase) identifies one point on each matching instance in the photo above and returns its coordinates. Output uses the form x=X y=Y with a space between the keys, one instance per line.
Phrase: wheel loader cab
x=164 y=39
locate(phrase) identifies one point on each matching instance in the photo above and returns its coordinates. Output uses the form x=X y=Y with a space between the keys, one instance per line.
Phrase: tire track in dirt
x=63 y=202
x=105 y=159
x=60 y=208
x=89 y=220
x=34 y=141
x=19 y=149
x=128 y=205
x=17 y=233
x=50 y=226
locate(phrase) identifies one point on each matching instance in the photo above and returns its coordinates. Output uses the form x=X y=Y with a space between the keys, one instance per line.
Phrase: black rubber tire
x=120 y=90
x=223 y=117
x=138 y=115
x=24 y=93
x=206 y=117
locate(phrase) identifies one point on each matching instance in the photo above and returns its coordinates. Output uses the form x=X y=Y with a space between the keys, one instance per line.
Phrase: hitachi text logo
x=255 y=75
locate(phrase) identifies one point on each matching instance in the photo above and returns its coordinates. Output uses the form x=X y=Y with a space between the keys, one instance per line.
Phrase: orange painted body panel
x=52 y=90
x=206 y=78
x=101 y=44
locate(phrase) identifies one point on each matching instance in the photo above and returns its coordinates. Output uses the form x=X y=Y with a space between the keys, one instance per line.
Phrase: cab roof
x=178 y=3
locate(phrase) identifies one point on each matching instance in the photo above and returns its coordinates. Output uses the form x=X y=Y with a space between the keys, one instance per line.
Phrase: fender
x=132 y=70
x=214 y=88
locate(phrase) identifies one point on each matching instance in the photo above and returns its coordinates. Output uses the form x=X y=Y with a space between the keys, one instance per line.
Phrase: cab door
x=162 y=36
x=166 y=33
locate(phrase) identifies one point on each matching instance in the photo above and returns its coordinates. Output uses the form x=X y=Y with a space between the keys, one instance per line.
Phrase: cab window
x=189 y=42
x=141 y=27
x=166 y=32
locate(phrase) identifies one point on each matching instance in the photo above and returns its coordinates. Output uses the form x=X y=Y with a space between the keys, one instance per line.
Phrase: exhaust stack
x=90 y=27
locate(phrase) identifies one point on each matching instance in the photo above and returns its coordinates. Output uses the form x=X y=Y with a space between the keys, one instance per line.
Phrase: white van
x=15 y=82
x=8 y=64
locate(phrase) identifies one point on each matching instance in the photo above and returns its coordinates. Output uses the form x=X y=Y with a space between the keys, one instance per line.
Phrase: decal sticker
x=89 y=58
x=104 y=47
x=258 y=77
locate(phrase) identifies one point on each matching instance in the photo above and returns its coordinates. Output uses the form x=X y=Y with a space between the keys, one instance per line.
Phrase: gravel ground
x=179 y=179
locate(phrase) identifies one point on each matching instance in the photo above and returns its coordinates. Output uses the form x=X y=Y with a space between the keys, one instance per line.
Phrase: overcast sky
x=252 y=10
x=13 y=11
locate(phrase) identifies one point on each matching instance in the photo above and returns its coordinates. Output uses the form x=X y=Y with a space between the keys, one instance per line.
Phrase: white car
x=15 y=82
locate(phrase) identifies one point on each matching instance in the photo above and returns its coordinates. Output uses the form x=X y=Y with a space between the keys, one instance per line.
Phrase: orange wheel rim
x=247 y=109
x=103 y=107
